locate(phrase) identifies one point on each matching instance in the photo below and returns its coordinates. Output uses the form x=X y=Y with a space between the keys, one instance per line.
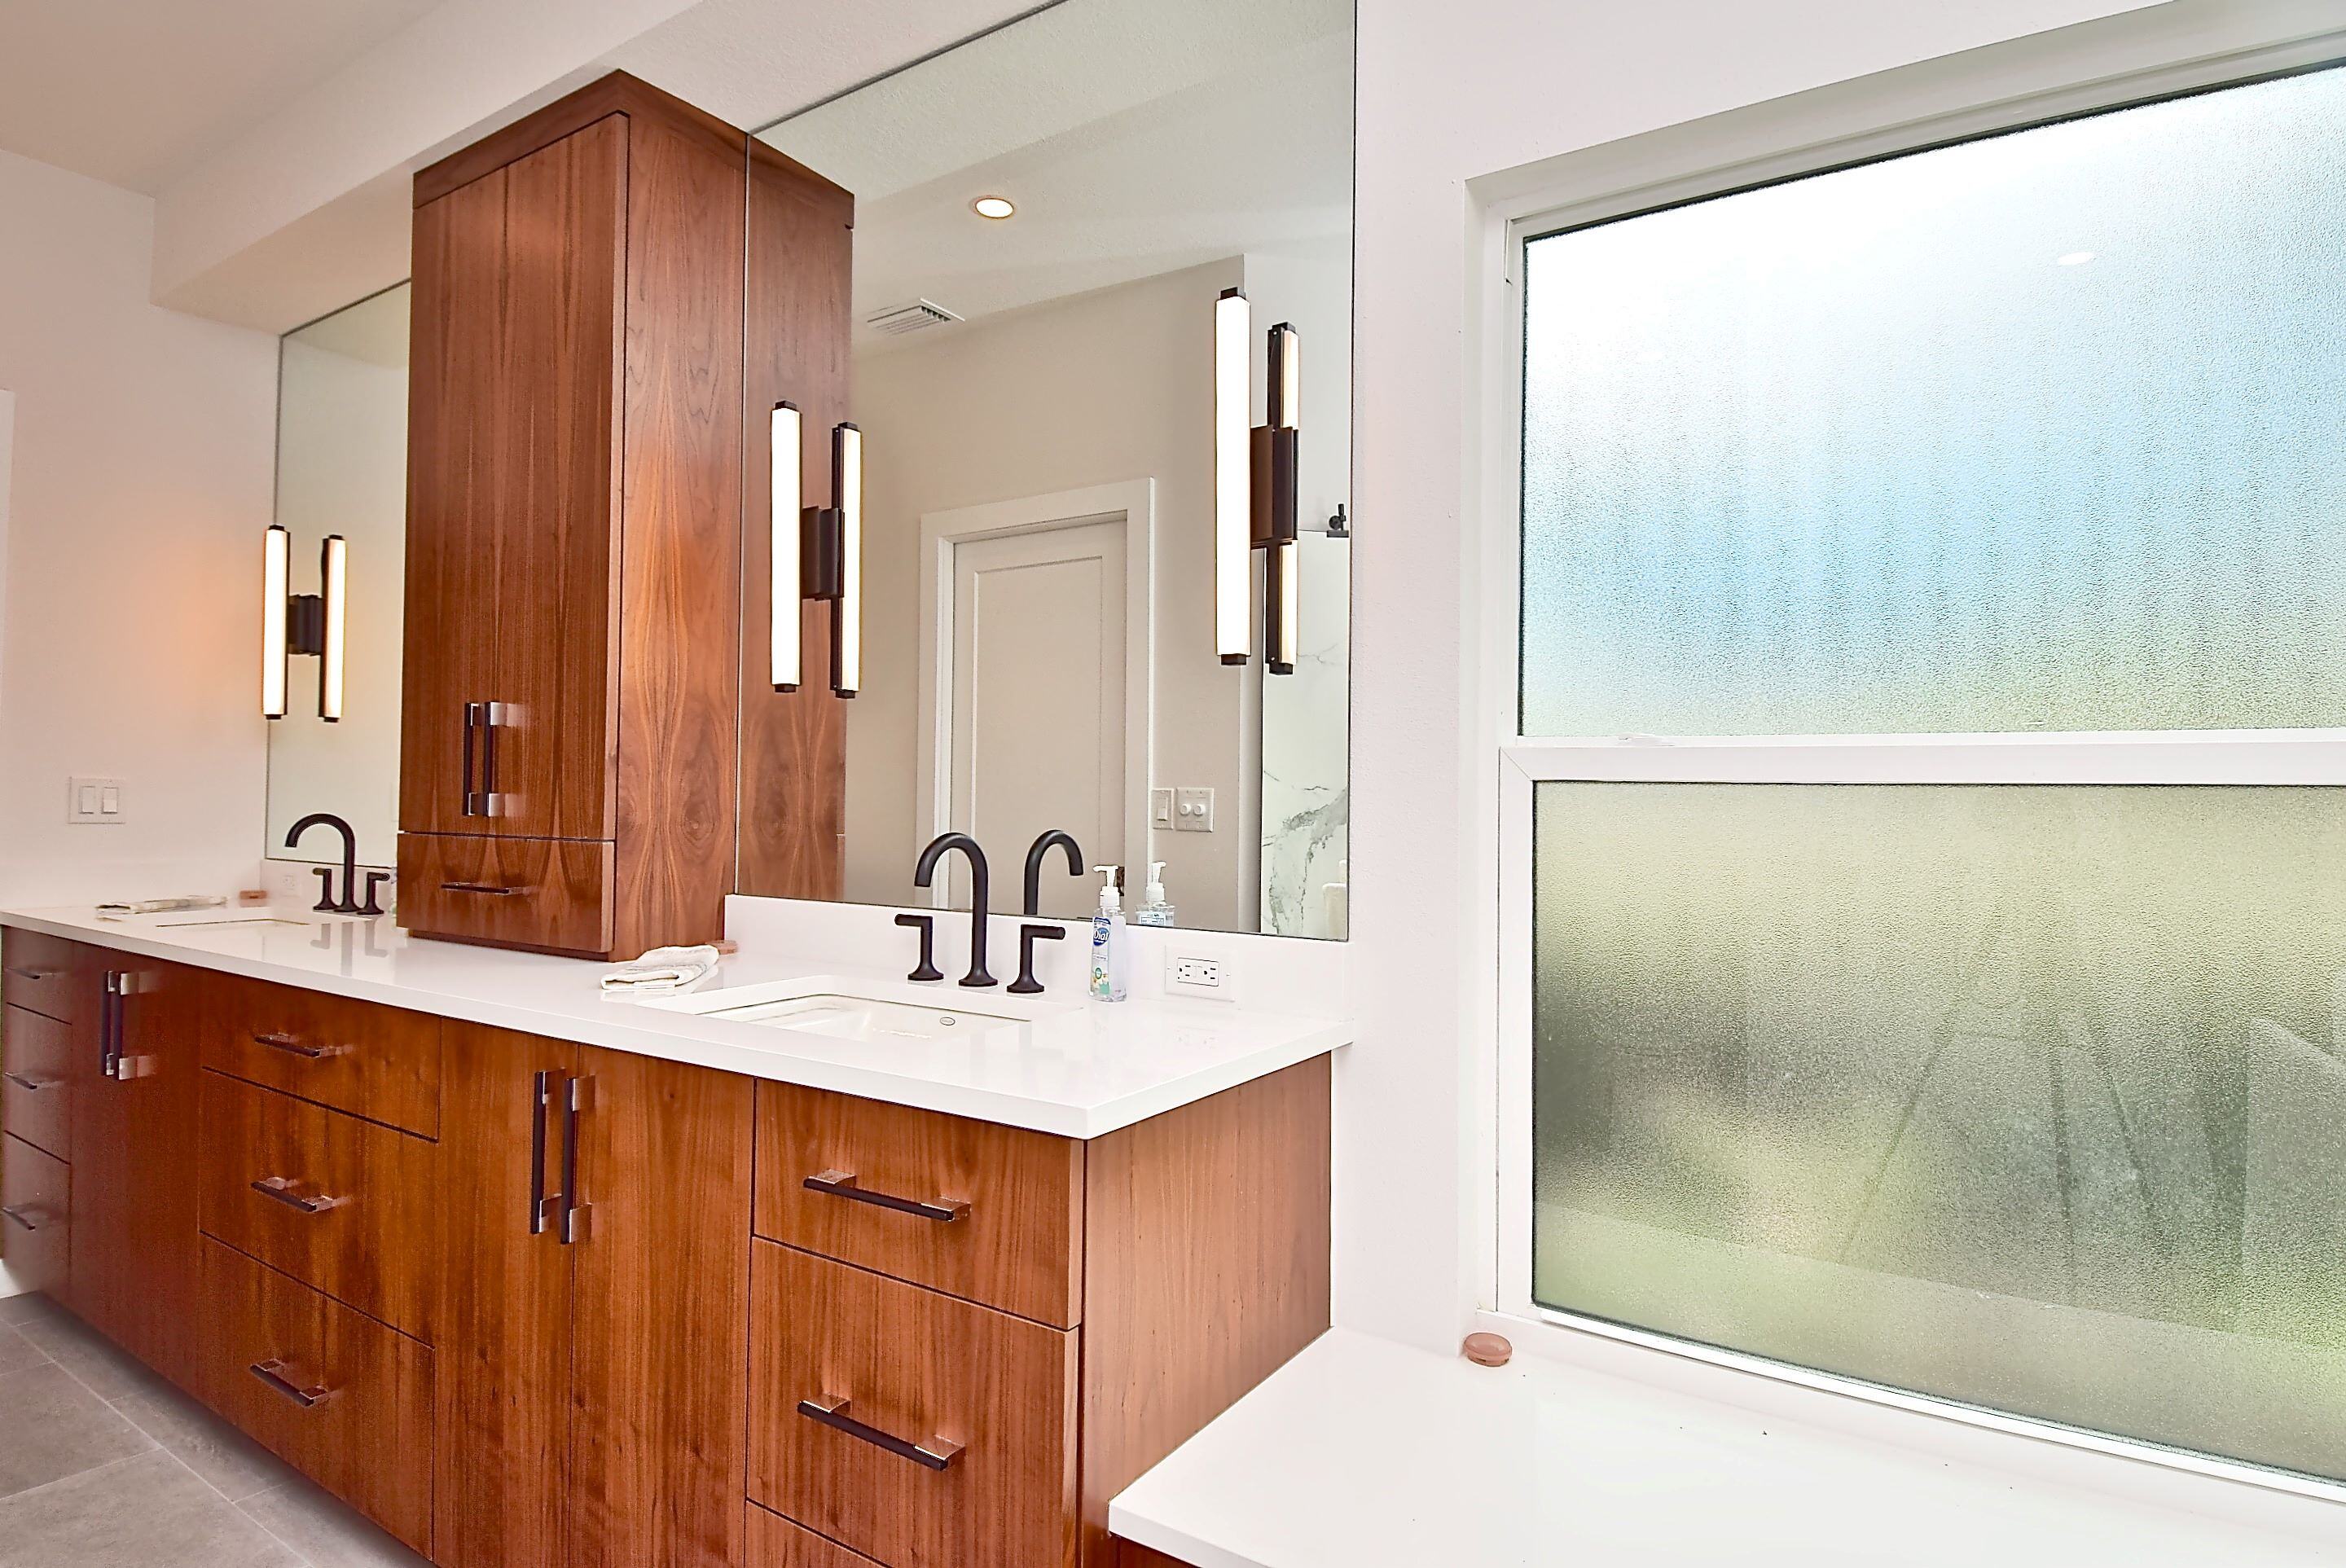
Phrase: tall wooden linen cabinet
x=570 y=720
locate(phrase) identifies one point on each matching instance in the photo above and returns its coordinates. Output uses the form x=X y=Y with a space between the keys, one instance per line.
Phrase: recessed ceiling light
x=996 y=207
x=2074 y=258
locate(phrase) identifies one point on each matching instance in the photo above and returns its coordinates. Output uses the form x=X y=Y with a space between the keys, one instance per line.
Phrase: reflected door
x=1037 y=721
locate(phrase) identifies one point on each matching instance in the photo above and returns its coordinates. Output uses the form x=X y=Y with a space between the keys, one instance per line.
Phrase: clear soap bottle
x=1111 y=946
x=1154 y=908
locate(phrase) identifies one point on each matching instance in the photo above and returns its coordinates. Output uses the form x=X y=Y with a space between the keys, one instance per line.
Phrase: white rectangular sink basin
x=841 y=1009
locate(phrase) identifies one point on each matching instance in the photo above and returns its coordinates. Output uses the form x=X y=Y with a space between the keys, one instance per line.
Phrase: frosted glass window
x=2041 y=431
x=2028 y=1097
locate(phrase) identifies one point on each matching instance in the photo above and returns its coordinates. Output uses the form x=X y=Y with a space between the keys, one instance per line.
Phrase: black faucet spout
x=327 y=904
x=1039 y=851
x=981 y=890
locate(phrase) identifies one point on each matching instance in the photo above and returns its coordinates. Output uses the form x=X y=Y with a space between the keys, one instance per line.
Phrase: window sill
x=1370 y=1453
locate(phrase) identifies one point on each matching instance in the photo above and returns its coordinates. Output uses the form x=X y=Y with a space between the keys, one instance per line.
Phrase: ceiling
x=136 y=92
x=1136 y=138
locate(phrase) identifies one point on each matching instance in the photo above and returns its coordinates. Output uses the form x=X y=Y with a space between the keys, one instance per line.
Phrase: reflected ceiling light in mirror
x=310 y=625
x=2074 y=258
x=784 y=437
x=818 y=552
x=997 y=208
x=1255 y=487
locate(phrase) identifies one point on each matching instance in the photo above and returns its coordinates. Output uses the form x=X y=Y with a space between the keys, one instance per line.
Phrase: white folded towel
x=662 y=971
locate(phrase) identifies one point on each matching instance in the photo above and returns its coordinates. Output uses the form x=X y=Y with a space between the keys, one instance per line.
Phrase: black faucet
x=980 y=886
x=1039 y=851
x=327 y=904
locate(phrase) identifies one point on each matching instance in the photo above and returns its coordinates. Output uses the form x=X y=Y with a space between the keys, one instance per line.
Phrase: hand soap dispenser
x=1111 y=948
x=1154 y=908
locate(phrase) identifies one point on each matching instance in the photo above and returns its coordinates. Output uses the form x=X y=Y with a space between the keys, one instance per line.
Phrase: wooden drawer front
x=381 y=1063
x=34 y=1199
x=340 y=1204
x=776 y=1542
x=926 y=1369
x=45 y=975
x=1017 y=1245
x=36 y=1063
x=552 y=894
x=367 y=1437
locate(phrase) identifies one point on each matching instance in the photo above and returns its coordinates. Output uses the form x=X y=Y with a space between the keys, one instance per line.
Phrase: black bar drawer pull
x=491 y=889
x=294 y=1047
x=472 y=729
x=841 y=1184
x=23 y=1082
x=21 y=1214
x=578 y=1096
x=287 y=1191
x=278 y=1376
x=541 y=1096
x=831 y=1411
x=20 y=973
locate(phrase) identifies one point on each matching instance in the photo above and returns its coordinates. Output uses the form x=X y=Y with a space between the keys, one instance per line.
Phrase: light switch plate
x=94 y=800
x=1193 y=810
x=1160 y=808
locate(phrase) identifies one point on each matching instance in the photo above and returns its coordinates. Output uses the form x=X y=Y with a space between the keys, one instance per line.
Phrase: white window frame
x=2125 y=61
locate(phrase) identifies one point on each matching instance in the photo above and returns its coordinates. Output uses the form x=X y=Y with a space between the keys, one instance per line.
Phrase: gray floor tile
x=89 y=1355
x=56 y=1428
x=17 y=1308
x=151 y=1511
x=16 y=1352
x=325 y=1533
x=233 y=1464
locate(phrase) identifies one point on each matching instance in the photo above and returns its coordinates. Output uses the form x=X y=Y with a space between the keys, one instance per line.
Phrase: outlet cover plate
x=1211 y=976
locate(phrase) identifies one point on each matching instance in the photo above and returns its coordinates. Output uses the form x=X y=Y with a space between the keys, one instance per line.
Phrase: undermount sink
x=845 y=1009
x=233 y=920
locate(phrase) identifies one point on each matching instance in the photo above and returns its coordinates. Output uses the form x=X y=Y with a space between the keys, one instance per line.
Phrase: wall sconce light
x=818 y=552
x=310 y=625
x=1254 y=488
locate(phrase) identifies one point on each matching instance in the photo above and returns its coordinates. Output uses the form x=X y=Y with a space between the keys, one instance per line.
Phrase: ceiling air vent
x=899 y=320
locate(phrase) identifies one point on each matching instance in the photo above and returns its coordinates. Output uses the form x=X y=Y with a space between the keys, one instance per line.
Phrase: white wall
x=131 y=622
x=1450 y=93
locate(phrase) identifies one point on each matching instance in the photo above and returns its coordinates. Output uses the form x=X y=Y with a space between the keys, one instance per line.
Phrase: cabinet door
x=662 y=1360
x=451 y=616
x=553 y=420
x=503 y=1319
x=133 y=1189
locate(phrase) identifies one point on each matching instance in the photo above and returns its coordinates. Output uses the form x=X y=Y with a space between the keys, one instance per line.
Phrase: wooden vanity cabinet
x=135 y=1094
x=568 y=741
x=595 y=1310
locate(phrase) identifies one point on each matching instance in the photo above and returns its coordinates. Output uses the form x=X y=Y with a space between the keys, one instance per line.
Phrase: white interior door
x=1036 y=729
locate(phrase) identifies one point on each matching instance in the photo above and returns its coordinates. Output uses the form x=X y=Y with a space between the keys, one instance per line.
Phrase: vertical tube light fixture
x=1255 y=487
x=847 y=611
x=818 y=553
x=789 y=482
x=333 y=583
x=1233 y=481
x=275 y=548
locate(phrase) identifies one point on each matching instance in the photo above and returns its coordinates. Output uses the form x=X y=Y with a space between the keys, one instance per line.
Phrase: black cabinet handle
x=23 y=1082
x=292 y=1046
x=579 y=1096
x=490 y=714
x=109 y=1023
x=18 y=1214
x=541 y=1096
x=472 y=727
x=841 y=1184
x=491 y=889
x=287 y=1191
x=23 y=973
x=273 y=1372
x=831 y=1411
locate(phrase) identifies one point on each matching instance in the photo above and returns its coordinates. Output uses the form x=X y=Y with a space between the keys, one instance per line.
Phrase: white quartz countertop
x=1374 y=1454
x=1077 y=1067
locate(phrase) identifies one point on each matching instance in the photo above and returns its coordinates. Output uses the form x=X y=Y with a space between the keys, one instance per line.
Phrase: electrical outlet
x=94 y=800
x=1195 y=974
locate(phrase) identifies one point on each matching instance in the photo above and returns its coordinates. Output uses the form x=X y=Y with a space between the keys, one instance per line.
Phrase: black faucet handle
x=325 y=904
x=927 y=926
x=374 y=881
x=1028 y=935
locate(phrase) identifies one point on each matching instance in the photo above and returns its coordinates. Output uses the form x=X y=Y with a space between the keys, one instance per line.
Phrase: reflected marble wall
x=1306 y=741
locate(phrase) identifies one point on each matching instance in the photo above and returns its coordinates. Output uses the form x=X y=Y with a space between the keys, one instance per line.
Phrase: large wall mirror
x=341 y=472
x=1047 y=220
